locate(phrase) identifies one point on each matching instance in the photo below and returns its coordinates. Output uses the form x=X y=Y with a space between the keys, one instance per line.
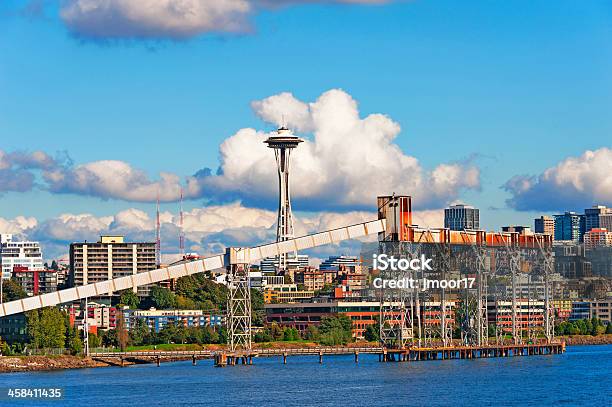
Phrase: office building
x=602 y=309
x=156 y=320
x=109 y=258
x=597 y=237
x=269 y=265
x=337 y=262
x=580 y=310
x=19 y=254
x=569 y=227
x=545 y=225
x=529 y=314
x=461 y=217
x=598 y=216
x=285 y=293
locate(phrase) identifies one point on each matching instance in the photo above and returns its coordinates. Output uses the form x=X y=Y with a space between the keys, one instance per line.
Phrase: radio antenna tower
x=283 y=142
x=158 y=235
x=181 y=232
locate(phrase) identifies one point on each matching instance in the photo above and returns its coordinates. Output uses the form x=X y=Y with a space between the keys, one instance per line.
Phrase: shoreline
x=14 y=364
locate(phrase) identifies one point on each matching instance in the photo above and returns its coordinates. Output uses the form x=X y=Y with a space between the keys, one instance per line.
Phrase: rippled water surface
x=582 y=376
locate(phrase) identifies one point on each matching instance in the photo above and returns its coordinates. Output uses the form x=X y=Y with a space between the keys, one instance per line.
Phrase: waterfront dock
x=224 y=358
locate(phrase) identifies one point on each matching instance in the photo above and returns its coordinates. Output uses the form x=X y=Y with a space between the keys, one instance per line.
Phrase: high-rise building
x=19 y=254
x=35 y=281
x=569 y=226
x=597 y=237
x=283 y=143
x=461 y=217
x=544 y=224
x=109 y=258
x=598 y=216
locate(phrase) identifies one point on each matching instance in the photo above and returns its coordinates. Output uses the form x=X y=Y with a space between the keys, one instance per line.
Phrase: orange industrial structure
x=397 y=210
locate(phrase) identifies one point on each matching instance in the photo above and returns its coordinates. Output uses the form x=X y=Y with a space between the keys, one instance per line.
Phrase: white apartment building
x=15 y=253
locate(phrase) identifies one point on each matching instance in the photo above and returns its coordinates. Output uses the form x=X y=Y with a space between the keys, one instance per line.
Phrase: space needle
x=283 y=142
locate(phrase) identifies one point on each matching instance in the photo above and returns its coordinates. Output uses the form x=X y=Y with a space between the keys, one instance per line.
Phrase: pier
x=223 y=358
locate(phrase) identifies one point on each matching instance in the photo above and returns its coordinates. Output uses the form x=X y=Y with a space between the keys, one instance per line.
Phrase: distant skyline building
x=523 y=230
x=269 y=265
x=283 y=143
x=597 y=237
x=544 y=224
x=462 y=217
x=111 y=257
x=569 y=226
x=22 y=254
x=598 y=216
x=334 y=262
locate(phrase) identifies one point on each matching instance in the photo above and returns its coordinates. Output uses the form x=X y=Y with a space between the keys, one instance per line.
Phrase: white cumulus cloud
x=168 y=19
x=574 y=183
x=348 y=161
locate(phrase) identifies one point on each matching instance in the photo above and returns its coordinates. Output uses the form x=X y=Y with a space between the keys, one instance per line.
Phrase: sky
x=106 y=103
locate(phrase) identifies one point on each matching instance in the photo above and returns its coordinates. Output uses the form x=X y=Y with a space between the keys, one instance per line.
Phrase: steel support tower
x=238 y=301
x=397 y=305
x=514 y=254
x=283 y=142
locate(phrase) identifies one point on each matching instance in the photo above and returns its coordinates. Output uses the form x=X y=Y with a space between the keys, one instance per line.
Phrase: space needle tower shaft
x=283 y=143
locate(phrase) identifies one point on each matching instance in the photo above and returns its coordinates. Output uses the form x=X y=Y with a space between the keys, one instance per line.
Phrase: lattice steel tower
x=283 y=142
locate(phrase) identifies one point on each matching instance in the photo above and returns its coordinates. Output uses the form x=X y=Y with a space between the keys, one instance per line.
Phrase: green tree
x=209 y=335
x=208 y=294
x=46 y=328
x=162 y=298
x=94 y=341
x=276 y=331
x=372 y=333
x=54 y=265
x=73 y=338
x=290 y=334
x=312 y=333
x=140 y=334
x=336 y=330
x=109 y=338
x=11 y=291
x=129 y=298
x=609 y=328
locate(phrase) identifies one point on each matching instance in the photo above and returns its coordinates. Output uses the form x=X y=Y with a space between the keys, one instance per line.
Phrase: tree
x=312 y=333
x=109 y=338
x=140 y=334
x=11 y=291
x=73 y=338
x=162 y=298
x=94 y=341
x=129 y=298
x=290 y=334
x=276 y=331
x=208 y=294
x=336 y=330
x=122 y=334
x=54 y=265
x=609 y=328
x=46 y=328
x=372 y=333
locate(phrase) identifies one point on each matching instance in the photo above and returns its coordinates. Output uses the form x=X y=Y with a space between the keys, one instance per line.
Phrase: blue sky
x=512 y=87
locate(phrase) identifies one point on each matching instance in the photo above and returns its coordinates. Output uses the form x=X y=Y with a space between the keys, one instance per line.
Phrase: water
x=582 y=376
